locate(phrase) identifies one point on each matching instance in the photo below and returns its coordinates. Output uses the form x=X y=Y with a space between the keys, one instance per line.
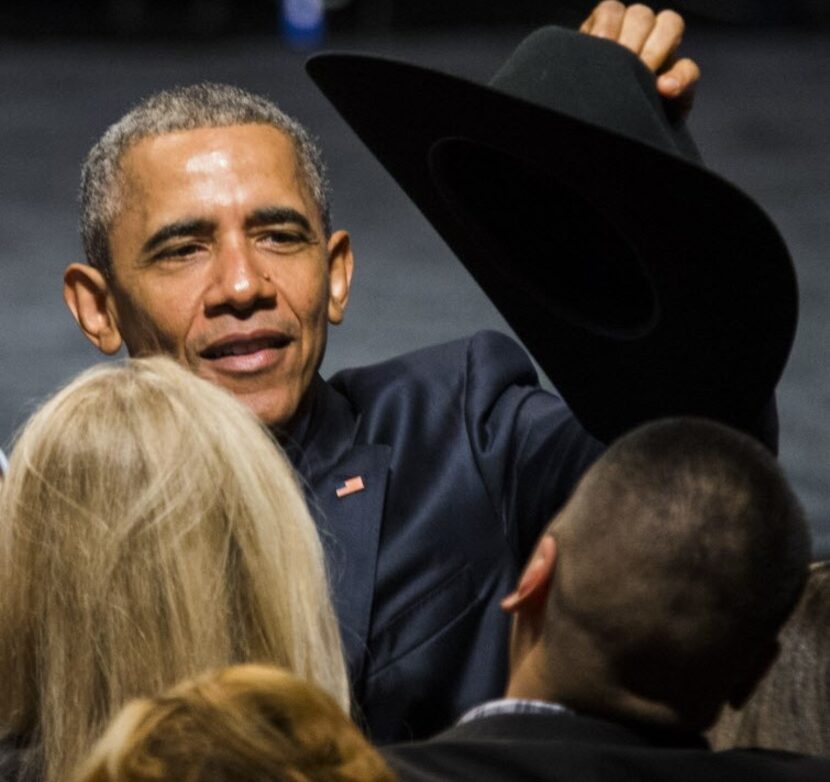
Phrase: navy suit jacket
x=464 y=460
x=571 y=748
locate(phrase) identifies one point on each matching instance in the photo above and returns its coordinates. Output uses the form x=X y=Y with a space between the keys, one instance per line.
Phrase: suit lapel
x=349 y=521
x=350 y=527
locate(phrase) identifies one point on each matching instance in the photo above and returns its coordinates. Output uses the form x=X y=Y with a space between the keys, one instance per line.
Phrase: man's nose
x=241 y=281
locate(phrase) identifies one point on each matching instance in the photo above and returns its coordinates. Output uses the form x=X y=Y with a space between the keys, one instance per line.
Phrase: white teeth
x=243 y=348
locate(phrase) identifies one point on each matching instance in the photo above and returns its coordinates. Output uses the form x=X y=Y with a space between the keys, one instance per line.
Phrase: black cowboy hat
x=642 y=283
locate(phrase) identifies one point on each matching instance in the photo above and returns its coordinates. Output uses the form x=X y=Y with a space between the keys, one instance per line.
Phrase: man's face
x=219 y=259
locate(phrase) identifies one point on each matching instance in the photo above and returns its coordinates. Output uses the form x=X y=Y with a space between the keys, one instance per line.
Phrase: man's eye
x=284 y=241
x=179 y=252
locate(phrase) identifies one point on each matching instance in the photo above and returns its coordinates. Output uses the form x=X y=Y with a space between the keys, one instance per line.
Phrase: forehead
x=205 y=169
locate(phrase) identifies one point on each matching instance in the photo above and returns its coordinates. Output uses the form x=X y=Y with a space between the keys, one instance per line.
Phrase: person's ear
x=754 y=670
x=88 y=296
x=530 y=595
x=341 y=265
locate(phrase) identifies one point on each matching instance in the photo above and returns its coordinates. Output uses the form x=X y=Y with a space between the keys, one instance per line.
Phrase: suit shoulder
x=488 y=354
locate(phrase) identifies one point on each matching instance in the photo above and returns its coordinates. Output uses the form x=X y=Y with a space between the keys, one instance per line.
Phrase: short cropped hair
x=242 y=724
x=151 y=530
x=204 y=105
x=682 y=549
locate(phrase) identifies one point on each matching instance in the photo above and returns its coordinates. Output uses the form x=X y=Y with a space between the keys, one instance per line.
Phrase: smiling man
x=218 y=253
x=206 y=225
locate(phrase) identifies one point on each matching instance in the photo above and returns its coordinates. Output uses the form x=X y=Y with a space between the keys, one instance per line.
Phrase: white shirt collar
x=513 y=706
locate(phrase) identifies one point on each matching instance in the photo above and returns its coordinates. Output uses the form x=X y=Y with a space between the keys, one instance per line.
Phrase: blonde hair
x=150 y=529
x=242 y=724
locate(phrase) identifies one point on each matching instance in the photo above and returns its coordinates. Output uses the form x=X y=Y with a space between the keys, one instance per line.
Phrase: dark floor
x=762 y=119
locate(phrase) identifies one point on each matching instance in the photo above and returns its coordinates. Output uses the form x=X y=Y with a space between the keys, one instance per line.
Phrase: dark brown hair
x=683 y=551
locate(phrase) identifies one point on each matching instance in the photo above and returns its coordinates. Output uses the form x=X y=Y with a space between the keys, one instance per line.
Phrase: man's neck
x=530 y=679
x=587 y=688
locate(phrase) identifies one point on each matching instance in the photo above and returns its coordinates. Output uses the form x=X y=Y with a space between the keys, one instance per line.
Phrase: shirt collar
x=513 y=706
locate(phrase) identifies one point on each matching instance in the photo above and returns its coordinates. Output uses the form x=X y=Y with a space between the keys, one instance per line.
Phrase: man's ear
x=754 y=670
x=87 y=294
x=341 y=265
x=528 y=604
x=531 y=593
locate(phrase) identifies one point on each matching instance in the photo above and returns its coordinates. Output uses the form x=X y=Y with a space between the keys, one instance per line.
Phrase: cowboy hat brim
x=643 y=284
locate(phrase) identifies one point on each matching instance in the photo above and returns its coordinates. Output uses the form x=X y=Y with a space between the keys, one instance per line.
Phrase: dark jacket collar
x=568 y=726
x=321 y=445
x=323 y=431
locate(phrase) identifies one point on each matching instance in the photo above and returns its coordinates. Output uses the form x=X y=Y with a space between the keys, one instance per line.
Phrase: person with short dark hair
x=653 y=599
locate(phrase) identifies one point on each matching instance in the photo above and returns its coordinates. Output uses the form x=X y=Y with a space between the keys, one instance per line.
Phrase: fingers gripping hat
x=642 y=283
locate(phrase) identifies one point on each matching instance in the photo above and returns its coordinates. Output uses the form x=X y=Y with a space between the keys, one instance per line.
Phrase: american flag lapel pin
x=350 y=486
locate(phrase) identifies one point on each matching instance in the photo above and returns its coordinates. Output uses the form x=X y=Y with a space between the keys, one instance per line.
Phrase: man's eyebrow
x=195 y=227
x=277 y=215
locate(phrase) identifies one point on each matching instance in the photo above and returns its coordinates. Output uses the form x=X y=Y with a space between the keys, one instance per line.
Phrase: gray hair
x=202 y=105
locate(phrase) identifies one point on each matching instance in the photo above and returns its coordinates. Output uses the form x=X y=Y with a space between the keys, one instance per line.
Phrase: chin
x=275 y=414
x=266 y=399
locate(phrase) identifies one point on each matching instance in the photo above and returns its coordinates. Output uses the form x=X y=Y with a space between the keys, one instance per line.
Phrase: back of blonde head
x=149 y=530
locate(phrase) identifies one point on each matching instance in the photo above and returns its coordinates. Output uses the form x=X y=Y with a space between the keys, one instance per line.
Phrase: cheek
x=156 y=319
x=313 y=307
x=168 y=314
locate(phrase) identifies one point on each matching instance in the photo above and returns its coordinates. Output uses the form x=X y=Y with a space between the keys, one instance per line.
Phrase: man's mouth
x=246 y=353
